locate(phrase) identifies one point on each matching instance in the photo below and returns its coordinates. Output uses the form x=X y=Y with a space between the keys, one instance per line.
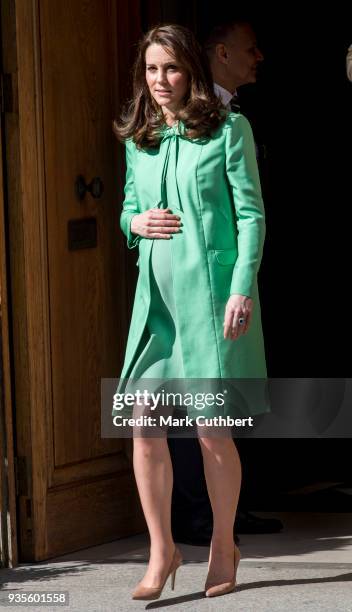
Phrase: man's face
x=243 y=55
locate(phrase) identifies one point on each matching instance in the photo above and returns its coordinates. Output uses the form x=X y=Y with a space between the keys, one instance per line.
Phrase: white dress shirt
x=224 y=95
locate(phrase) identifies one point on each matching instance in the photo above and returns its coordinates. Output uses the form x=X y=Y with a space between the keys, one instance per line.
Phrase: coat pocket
x=226 y=257
x=221 y=264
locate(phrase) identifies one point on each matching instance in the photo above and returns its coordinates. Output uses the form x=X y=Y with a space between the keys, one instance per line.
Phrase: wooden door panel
x=85 y=309
x=90 y=510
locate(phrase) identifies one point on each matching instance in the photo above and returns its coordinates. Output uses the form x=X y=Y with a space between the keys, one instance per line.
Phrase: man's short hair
x=220 y=32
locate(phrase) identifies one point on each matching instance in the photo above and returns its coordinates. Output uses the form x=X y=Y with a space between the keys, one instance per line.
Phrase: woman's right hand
x=156 y=223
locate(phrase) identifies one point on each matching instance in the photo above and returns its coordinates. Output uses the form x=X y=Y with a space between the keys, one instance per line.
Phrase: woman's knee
x=150 y=448
x=215 y=444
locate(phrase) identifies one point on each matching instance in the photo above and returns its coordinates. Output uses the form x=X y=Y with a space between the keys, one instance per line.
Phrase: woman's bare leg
x=153 y=472
x=223 y=474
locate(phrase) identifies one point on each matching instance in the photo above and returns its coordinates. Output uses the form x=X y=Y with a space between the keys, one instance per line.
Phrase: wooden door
x=70 y=297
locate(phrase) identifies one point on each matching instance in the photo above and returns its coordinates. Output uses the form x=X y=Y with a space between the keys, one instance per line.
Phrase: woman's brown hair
x=202 y=112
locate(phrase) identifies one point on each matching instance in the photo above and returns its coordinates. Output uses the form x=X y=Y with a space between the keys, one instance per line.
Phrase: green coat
x=219 y=251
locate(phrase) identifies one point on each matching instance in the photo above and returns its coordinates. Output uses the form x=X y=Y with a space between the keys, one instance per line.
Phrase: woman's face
x=166 y=78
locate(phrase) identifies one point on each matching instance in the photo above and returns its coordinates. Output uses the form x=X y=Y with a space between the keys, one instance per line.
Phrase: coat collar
x=178 y=129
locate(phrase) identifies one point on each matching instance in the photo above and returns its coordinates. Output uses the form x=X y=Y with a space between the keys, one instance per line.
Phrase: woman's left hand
x=236 y=307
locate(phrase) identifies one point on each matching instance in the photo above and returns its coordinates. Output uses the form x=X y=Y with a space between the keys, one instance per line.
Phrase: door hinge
x=6 y=93
x=22 y=476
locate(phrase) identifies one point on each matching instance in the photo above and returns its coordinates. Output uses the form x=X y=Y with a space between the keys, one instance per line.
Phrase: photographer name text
x=201 y=420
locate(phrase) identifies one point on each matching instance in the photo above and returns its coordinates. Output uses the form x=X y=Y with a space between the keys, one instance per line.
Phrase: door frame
x=8 y=529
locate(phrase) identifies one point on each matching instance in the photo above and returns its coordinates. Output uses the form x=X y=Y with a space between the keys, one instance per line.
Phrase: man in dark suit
x=234 y=58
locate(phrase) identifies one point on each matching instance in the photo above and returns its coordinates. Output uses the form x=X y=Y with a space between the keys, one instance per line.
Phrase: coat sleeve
x=130 y=204
x=243 y=176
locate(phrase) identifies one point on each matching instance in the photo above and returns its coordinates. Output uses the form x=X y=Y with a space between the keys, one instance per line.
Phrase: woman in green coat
x=194 y=209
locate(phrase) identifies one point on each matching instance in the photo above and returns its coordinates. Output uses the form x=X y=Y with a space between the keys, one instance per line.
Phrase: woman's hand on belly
x=155 y=223
x=237 y=306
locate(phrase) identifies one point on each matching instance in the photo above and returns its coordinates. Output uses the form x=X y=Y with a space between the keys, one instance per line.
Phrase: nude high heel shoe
x=224 y=587
x=148 y=593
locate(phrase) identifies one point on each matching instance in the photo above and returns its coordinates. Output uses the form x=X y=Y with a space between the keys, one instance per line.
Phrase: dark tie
x=235 y=104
